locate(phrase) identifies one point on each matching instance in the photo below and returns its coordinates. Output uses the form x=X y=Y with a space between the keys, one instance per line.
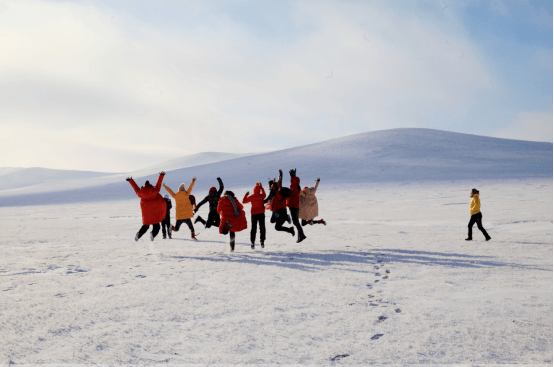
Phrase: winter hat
x=213 y=189
x=182 y=187
x=305 y=187
x=147 y=183
x=474 y=191
x=230 y=193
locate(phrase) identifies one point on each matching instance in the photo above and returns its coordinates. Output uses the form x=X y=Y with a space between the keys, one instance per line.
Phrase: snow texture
x=76 y=288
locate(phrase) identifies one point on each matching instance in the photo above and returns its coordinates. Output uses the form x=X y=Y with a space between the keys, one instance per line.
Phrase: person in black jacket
x=167 y=220
x=213 y=199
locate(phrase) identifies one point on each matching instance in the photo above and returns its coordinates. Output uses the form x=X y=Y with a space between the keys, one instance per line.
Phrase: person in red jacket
x=233 y=218
x=257 y=213
x=293 y=202
x=278 y=205
x=152 y=205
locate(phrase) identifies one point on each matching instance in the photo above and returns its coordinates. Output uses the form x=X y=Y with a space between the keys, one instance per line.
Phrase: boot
x=169 y=234
x=469 y=239
x=193 y=236
x=137 y=237
x=262 y=244
x=321 y=221
x=292 y=231
x=301 y=238
x=252 y=246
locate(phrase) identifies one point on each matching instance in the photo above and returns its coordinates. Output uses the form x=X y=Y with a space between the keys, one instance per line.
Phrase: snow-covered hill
x=23 y=177
x=399 y=155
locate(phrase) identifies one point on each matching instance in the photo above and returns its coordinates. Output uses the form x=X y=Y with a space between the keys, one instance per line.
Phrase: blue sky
x=120 y=85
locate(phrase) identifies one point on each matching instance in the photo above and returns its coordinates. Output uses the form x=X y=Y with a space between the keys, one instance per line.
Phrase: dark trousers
x=476 y=218
x=279 y=218
x=257 y=218
x=166 y=224
x=213 y=219
x=224 y=231
x=155 y=230
x=181 y=221
x=294 y=215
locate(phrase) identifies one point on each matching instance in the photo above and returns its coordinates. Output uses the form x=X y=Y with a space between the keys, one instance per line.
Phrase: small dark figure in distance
x=257 y=213
x=233 y=218
x=476 y=216
x=152 y=205
x=166 y=223
x=213 y=199
x=308 y=205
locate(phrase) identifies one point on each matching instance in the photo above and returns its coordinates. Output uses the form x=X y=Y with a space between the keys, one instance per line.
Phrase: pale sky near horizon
x=119 y=85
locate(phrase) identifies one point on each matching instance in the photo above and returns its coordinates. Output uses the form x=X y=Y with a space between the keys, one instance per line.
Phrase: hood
x=257 y=189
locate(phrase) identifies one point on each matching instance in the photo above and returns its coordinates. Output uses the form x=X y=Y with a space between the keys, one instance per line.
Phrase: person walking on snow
x=152 y=205
x=183 y=207
x=257 y=213
x=308 y=205
x=476 y=216
x=166 y=223
x=278 y=206
x=293 y=202
x=213 y=199
x=233 y=218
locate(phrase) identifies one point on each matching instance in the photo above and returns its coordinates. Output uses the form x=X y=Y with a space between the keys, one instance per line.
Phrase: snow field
x=76 y=288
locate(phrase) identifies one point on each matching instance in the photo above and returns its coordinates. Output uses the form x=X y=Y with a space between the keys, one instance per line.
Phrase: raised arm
x=316 y=184
x=191 y=185
x=134 y=184
x=169 y=190
x=247 y=198
x=220 y=191
x=159 y=182
x=204 y=201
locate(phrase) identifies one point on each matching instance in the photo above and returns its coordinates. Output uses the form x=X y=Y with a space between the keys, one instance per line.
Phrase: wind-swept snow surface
x=388 y=280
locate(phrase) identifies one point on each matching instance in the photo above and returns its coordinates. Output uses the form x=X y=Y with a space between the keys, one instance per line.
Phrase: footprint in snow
x=398 y=310
x=386 y=277
x=140 y=276
x=376 y=336
x=382 y=318
x=339 y=357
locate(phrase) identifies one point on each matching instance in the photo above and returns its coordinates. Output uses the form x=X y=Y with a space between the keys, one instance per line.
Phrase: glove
x=318 y=179
x=219 y=178
x=292 y=173
x=195 y=210
x=280 y=172
x=129 y=179
x=162 y=173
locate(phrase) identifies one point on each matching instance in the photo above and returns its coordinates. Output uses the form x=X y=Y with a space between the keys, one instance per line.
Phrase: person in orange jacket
x=183 y=207
x=257 y=213
x=152 y=205
x=233 y=218
x=476 y=216
x=278 y=206
x=293 y=202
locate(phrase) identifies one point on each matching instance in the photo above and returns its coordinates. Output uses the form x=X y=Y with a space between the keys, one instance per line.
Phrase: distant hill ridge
x=398 y=155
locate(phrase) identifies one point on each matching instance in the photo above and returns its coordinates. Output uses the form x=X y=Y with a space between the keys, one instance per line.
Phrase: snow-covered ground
x=76 y=288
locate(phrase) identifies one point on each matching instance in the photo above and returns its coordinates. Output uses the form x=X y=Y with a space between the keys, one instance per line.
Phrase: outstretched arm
x=191 y=185
x=316 y=184
x=204 y=201
x=169 y=190
x=159 y=183
x=135 y=186
x=220 y=186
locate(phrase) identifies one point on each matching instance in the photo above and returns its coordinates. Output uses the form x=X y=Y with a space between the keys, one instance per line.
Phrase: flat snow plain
x=76 y=288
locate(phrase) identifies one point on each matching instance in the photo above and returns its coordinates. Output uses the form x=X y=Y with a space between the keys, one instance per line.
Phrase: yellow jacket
x=183 y=207
x=475 y=205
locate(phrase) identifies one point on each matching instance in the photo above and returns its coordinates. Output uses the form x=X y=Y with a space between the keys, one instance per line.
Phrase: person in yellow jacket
x=476 y=216
x=184 y=208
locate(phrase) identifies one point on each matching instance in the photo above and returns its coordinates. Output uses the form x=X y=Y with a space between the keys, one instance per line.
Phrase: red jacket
x=278 y=201
x=257 y=200
x=228 y=214
x=152 y=204
x=294 y=200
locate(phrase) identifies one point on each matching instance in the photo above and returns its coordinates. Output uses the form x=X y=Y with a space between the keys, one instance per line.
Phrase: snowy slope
x=24 y=177
x=399 y=155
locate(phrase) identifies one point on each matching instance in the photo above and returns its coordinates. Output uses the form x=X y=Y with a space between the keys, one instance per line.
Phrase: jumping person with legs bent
x=213 y=199
x=152 y=205
x=233 y=218
x=308 y=206
x=184 y=207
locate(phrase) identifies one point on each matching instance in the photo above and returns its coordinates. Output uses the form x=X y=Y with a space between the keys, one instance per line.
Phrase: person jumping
x=308 y=205
x=293 y=202
x=279 y=205
x=183 y=207
x=213 y=199
x=152 y=205
x=233 y=218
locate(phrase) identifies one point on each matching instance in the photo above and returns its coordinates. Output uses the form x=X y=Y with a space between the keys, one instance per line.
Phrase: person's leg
x=155 y=230
x=142 y=231
x=178 y=225
x=213 y=218
x=294 y=214
x=165 y=223
x=261 y=220
x=232 y=240
x=304 y=222
x=470 y=228
x=201 y=220
x=254 y=223
x=480 y=226
x=279 y=225
x=189 y=223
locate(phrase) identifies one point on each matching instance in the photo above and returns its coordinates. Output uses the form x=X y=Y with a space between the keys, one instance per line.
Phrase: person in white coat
x=308 y=206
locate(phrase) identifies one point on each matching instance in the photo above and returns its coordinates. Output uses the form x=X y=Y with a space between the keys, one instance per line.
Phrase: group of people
x=226 y=212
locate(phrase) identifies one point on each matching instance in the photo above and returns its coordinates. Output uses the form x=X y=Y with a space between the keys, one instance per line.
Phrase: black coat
x=213 y=200
x=169 y=206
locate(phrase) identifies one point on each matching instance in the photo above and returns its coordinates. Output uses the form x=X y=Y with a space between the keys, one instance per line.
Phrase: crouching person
x=233 y=218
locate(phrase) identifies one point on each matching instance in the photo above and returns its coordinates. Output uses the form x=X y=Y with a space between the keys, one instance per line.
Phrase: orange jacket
x=183 y=206
x=152 y=204
x=257 y=200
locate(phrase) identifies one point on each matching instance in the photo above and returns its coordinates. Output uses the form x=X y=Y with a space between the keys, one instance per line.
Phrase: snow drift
x=398 y=155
